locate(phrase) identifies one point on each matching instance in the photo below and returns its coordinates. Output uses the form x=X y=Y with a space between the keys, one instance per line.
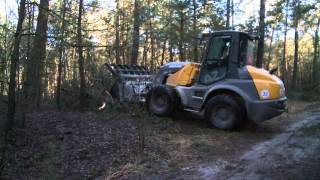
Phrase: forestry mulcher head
x=132 y=82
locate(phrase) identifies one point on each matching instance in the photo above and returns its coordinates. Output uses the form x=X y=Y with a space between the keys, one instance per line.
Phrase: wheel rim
x=160 y=100
x=222 y=114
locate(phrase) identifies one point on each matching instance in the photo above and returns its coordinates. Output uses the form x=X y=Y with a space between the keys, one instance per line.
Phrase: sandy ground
x=292 y=154
x=130 y=144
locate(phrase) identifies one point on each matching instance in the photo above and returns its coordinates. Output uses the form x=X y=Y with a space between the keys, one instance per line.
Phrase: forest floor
x=128 y=143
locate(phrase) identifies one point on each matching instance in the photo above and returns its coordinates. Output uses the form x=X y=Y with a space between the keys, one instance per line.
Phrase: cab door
x=215 y=64
x=213 y=69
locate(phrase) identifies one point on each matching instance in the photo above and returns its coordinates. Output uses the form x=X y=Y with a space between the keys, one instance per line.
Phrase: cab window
x=247 y=54
x=216 y=62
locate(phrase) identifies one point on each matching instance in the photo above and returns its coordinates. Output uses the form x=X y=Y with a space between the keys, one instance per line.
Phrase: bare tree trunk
x=232 y=14
x=296 y=57
x=61 y=54
x=195 y=38
x=261 y=34
x=2 y=69
x=13 y=68
x=122 y=40
x=117 y=42
x=4 y=58
x=73 y=68
x=270 y=50
x=284 y=67
x=30 y=27
x=80 y=60
x=152 y=52
x=37 y=57
x=44 y=84
x=65 y=65
x=152 y=60
x=170 y=51
x=315 y=63
x=228 y=14
x=163 y=51
x=136 y=32
x=145 y=50
x=126 y=44
x=181 y=39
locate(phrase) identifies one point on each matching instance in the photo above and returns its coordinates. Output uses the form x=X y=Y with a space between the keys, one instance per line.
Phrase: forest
x=52 y=53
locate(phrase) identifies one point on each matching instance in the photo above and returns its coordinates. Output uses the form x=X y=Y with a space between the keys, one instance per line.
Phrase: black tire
x=161 y=100
x=224 y=112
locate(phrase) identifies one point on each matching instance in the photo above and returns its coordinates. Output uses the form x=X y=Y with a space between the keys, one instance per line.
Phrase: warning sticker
x=265 y=94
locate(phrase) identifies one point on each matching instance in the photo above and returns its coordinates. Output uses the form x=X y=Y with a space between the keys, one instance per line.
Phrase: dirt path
x=127 y=145
x=293 y=154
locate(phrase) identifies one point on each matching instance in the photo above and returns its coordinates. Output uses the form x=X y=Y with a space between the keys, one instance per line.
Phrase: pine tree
x=13 y=67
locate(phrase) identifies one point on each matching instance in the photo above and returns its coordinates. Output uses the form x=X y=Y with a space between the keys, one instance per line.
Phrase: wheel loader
x=225 y=87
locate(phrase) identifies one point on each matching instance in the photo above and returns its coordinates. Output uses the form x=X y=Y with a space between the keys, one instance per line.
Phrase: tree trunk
x=31 y=9
x=61 y=54
x=136 y=29
x=74 y=65
x=296 y=58
x=284 y=67
x=170 y=51
x=122 y=40
x=13 y=68
x=4 y=55
x=181 y=39
x=270 y=50
x=2 y=69
x=228 y=14
x=65 y=66
x=315 y=63
x=195 y=38
x=29 y=42
x=37 y=57
x=152 y=60
x=163 y=51
x=80 y=60
x=261 y=34
x=145 y=50
x=126 y=44
x=232 y=14
x=117 y=42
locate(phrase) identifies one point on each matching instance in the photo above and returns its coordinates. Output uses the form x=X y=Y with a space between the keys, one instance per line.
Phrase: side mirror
x=272 y=71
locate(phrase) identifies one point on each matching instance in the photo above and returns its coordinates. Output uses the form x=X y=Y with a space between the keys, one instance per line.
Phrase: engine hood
x=268 y=86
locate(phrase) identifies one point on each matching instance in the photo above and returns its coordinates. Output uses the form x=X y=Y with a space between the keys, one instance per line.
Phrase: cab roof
x=252 y=36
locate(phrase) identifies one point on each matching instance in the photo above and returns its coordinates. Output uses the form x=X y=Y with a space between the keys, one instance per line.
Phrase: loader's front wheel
x=223 y=112
x=161 y=100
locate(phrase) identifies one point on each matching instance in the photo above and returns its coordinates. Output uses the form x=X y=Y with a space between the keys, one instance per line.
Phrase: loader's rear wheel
x=224 y=112
x=161 y=100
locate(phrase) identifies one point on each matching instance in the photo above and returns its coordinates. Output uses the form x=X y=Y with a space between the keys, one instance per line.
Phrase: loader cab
x=225 y=53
